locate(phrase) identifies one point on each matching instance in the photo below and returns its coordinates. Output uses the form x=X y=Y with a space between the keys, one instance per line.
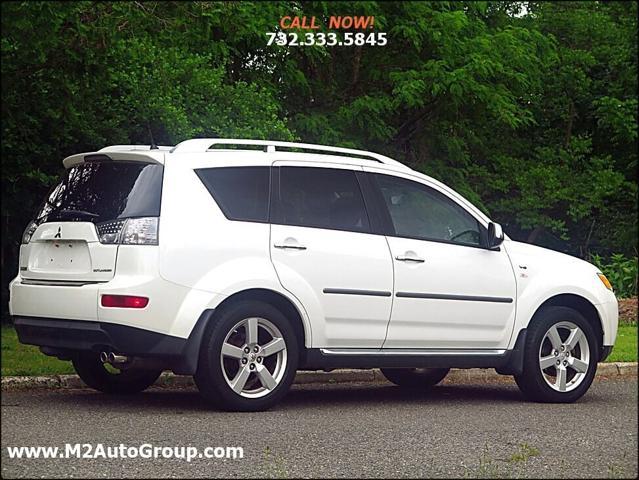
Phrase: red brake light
x=124 y=301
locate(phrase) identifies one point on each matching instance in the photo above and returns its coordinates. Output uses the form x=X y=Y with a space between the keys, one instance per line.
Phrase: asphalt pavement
x=340 y=430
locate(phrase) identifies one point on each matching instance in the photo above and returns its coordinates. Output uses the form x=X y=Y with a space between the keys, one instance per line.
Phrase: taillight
x=132 y=231
x=28 y=232
x=140 y=231
x=124 y=301
x=109 y=232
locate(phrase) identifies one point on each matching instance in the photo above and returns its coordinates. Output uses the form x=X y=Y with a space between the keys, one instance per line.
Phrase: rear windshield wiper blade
x=70 y=213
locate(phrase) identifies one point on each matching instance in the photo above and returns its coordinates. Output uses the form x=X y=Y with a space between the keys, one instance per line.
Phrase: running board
x=507 y=362
x=410 y=352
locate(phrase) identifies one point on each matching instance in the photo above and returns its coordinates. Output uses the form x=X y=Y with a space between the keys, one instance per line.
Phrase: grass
x=512 y=467
x=523 y=453
x=19 y=359
x=625 y=349
x=274 y=465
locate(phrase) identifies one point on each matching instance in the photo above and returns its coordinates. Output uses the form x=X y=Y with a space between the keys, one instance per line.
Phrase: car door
x=325 y=255
x=450 y=291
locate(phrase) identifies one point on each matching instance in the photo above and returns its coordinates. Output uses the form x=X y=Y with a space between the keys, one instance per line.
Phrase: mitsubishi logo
x=57 y=235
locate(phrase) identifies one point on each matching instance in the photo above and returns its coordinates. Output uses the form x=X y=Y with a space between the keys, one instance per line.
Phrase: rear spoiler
x=154 y=156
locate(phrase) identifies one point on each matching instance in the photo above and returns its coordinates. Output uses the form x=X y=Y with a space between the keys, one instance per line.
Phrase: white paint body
x=203 y=258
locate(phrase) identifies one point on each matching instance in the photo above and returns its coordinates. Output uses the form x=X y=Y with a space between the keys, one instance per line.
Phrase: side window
x=321 y=197
x=418 y=211
x=240 y=192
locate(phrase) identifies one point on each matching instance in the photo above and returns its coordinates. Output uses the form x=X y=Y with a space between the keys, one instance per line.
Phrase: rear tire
x=95 y=374
x=248 y=358
x=415 y=377
x=560 y=356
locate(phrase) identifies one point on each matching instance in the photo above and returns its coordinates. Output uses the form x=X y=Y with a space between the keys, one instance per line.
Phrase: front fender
x=543 y=274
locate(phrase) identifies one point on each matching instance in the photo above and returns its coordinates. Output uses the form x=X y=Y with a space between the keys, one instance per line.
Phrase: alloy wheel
x=564 y=356
x=253 y=357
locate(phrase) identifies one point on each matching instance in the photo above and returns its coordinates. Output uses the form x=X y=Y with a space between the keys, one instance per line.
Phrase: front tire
x=415 y=377
x=248 y=358
x=560 y=356
x=98 y=376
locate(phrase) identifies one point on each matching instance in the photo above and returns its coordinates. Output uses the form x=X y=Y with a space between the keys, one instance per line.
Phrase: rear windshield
x=100 y=191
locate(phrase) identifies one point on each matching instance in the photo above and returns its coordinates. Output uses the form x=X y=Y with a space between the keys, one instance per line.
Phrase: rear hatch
x=76 y=232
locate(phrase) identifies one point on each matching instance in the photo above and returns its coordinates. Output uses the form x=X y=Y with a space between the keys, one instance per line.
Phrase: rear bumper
x=73 y=335
x=62 y=338
x=68 y=302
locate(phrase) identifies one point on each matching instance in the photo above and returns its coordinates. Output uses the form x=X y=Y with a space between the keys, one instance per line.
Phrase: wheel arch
x=580 y=304
x=277 y=300
x=191 y=352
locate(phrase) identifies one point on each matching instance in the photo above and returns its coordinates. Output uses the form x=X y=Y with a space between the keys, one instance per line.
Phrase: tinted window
x=418 y=211
x=241 y=192
x=321 y=197
x=100 y=191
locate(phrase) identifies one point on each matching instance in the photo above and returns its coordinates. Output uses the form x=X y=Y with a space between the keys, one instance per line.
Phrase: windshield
x=101 y=191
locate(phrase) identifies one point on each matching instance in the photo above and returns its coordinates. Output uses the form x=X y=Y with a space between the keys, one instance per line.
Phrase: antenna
x=153 y=145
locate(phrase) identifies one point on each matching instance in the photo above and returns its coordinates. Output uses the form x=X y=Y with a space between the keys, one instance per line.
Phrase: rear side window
x=101 y=191
x=240 y=192
x=321 y=197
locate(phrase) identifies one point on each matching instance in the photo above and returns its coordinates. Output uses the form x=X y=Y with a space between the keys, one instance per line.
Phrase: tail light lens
x=109 y=232
x=28 y=232
x=124 y=301
x=140 y=231
x=132 y=231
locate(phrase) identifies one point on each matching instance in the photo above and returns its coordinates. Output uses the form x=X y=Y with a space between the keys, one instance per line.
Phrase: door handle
x=285 y=246
x=404 y=258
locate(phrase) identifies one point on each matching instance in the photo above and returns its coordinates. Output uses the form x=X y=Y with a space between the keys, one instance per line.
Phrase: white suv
x=241 y=262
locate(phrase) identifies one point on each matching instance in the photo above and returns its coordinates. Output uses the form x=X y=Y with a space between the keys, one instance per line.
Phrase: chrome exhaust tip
x=104 y=357
x=116 y=359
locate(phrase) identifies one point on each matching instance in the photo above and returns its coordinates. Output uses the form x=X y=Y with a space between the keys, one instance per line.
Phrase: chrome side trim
x=57 y=283
x=442 y=296
x=348 y=291
x=402 y=351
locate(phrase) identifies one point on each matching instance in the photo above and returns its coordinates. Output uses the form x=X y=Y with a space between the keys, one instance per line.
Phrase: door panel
x=449 y=291
x=324 y=255
x=458 y=297
x=346 y=275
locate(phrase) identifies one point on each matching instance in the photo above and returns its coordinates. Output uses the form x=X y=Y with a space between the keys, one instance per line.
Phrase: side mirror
x=495 y=235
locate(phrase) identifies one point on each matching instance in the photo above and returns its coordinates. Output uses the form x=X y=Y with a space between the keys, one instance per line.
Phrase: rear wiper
x=67 y=213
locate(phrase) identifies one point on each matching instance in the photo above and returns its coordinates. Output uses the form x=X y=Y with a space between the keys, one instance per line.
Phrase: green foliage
x=620 y=271
x=529 y=113
x=618 y=117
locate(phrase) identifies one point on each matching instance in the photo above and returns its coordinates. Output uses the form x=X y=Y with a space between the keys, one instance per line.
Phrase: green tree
x=527 y=108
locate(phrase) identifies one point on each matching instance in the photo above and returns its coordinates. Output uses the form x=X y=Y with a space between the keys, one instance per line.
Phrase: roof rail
x=201 y=145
